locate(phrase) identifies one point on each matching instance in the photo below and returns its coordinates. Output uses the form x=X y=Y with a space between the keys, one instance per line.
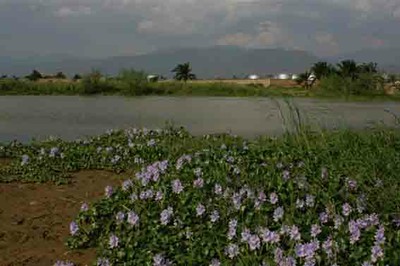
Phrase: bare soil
x=34 y=218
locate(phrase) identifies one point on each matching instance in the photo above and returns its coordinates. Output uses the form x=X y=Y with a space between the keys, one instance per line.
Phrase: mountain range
x=209 y=62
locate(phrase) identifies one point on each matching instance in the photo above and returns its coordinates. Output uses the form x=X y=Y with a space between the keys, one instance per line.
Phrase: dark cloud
x=111 y=27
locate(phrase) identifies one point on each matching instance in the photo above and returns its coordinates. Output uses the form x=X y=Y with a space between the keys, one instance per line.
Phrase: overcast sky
x=101 y=28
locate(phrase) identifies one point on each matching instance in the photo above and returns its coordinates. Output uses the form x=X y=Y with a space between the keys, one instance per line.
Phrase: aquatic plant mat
x=141 y=197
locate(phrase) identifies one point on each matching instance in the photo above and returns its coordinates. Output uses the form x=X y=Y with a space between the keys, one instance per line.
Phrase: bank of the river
x=135 y=88
x=336 y=191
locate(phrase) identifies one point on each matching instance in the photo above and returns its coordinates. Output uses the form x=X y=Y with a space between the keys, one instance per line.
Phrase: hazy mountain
x=217 y=61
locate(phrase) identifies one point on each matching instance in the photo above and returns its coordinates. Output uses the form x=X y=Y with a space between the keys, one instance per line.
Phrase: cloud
x=136 y=26
x=76 y=11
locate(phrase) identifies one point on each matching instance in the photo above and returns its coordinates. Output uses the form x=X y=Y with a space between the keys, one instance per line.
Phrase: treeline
x=347 y=77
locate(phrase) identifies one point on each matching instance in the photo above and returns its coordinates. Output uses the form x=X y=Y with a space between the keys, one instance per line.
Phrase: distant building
x=283 y=76
x=152 y=78
x=295 y=76
x=253 y=77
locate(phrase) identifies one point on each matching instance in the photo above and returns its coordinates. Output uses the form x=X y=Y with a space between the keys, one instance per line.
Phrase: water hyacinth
x=25 y=160
x=113 y=241
x=232 y=250
x=108 y=191
x=214 y=216
x=198 y=183
x=166 y=215
x=73 y=228
x=247 y=219
x=103 y=262
x=177 y=186
x=120 y=217
x=84 y=207
x=278 y=214
x=200 y=209
x=133 y=218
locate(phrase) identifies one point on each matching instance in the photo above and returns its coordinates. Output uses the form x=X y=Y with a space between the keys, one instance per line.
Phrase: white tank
x=253 y=77
x=283 y=76
x=295 y=76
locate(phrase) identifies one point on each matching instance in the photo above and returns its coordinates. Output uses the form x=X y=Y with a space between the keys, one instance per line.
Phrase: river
x=70 y=117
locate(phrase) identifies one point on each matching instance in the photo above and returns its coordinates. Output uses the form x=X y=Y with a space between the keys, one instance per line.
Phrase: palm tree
x=370 y=68
x=322 y=70
x=348 y=68
x=183 y=72
x=304 y=80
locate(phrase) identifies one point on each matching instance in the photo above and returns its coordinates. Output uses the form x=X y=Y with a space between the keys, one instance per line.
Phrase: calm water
x=69 y=117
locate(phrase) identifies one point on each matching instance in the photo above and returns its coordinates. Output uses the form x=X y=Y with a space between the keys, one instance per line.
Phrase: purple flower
x=254 y=242
x=327 y=246
x=380 y=236
x=273 y=198
x=53 y=152
x=73 y=228
x=352 y=184
x=218 y=189
x=159 y=196
x=148 y=194
x=346 y=209
x=133 y=218
x=109 y=191
x=25 y=160
x=310 y=201
x=165 y=215
x=315 y=230
x=200 y=209
x=295 y=233
x=215 y=262
x=232 y=250
x=236 y=198
x=103 y=262
x=214 y=216
x=323 y=217
x=286 y=175
x=232 y=229
x=84 y=207
x=354 y=231
x=269 y=236
x=120 y=217
x=262 y=197
x=160 y=260
x=278 y=214
x=376 y=253
x=177 y=186
x=127 y=184
x=198 y=183
x=246 y=234
x=113 y=242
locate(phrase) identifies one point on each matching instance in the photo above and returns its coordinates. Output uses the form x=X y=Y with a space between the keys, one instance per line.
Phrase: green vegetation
x=219 y=198
x=183 y=72
x=348 y=80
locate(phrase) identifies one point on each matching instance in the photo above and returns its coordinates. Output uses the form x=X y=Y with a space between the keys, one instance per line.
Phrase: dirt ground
x=34 y=218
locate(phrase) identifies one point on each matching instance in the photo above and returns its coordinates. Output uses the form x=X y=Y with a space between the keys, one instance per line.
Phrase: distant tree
x=60 y=75
x=370 y=68
x=77 y=77
x=322 y=70
x=35 y=75
x=183 y=72
x=304 y=80
x=348 y=69
x=4 y=76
